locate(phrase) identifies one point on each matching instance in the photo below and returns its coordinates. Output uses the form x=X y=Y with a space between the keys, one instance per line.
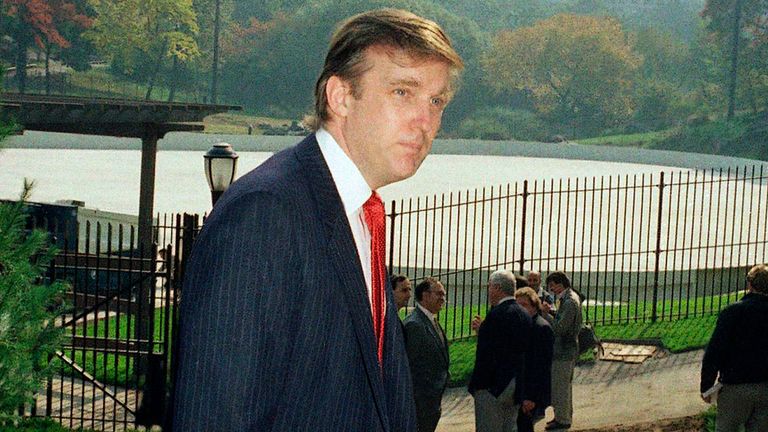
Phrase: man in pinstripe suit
x=277 y=331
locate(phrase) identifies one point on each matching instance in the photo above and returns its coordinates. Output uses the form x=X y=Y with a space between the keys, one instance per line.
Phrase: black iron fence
x=639 y=248
x=115 y=367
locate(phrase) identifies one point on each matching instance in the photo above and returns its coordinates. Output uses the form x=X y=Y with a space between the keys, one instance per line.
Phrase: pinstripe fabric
x=276 y=330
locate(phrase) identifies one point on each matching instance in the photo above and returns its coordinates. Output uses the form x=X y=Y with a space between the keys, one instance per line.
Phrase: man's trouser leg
x=742 y=405
x=487 y=413
x=427 y=413
x=562 y=390
x=494 y=414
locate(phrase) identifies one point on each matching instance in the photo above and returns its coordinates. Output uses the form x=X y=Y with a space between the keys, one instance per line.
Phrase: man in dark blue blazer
x=538 y=362
x=498 y=379
x=277 y=328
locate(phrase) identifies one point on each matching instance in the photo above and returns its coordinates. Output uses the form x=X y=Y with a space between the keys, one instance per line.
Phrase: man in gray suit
x=566 y=351
x=427 y=350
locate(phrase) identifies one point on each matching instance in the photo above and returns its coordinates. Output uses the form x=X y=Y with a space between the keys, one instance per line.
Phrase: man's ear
x=338 y=92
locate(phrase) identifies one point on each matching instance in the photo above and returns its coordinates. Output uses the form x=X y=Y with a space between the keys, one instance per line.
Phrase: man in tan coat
x=566 y=328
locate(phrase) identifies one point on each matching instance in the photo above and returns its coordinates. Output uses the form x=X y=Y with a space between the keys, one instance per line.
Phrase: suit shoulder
x=413 y=318
x=540 y=321
x=281 y=174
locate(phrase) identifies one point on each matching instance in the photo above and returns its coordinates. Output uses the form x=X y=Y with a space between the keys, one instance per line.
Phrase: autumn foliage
x=44 y=18
x=578 y=70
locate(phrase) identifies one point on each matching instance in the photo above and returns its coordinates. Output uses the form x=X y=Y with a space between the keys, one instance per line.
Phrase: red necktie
x=374 y=217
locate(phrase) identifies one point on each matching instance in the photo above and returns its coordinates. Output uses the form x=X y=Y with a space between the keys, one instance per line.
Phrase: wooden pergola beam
x=147 y=120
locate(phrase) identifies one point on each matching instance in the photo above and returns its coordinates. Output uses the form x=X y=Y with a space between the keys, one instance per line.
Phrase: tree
x=28 y=307
x=277 y=72
x=139 y=36
x=71 y=23
x=737 y=23
x=665 y=57
x=578 y=70
x=38 y=22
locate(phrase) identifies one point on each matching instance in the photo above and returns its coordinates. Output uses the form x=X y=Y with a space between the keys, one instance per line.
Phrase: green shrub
x=660 y=105
x=499 y=123
x=28 y=307
x=743 y=136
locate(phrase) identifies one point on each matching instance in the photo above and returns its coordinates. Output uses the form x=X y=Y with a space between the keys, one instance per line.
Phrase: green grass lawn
x=677 y=336
x=456 y=321
x=111 y=368
x=629 y=140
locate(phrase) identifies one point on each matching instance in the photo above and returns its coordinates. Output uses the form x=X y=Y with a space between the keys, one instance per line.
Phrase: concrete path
x=610 y=393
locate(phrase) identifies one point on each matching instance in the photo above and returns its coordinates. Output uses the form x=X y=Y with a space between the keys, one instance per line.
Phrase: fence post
x=393 y=216
x=658 y=250
x=523 y=222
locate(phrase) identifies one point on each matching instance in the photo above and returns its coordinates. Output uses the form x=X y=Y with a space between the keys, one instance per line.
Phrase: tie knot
x=374 y=206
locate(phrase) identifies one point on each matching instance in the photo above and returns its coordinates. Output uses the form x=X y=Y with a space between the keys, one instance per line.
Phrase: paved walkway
x=610 y=393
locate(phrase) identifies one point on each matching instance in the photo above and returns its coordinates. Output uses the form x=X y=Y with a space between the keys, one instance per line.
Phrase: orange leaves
x=44 y=17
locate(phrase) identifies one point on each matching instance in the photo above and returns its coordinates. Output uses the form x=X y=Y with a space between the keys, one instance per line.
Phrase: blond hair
x=531 y=295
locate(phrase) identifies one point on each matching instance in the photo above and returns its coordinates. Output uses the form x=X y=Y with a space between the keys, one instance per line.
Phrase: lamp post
x=220 y=168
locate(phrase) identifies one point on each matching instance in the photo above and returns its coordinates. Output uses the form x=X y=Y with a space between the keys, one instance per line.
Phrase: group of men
x=524 y=359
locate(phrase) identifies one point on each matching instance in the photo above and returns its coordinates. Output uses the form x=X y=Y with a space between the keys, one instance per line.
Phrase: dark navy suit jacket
x=502 y=342
x=276 y=328
x=538 y=364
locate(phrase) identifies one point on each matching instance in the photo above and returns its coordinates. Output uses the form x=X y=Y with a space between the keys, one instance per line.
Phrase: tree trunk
x=174 y=79
x=21 y=55
x=47 y=69
x=734 y=59
x=155 y=73
x=215 y=68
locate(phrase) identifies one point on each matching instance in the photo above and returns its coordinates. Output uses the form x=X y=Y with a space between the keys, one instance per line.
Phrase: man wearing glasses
x=427 y=350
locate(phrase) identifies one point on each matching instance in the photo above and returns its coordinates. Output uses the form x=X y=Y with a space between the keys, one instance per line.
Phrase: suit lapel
x=343 y=253
x=440 y=343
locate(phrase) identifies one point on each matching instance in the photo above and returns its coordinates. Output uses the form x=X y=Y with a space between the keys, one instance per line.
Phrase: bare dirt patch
x=682 y=424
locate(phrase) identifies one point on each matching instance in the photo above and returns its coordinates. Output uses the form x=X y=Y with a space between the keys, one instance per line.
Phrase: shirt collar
x=352 y=187
x=505 y=299
x=429 y=314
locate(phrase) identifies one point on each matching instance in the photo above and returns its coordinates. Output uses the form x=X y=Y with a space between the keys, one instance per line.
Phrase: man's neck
x=426 y=311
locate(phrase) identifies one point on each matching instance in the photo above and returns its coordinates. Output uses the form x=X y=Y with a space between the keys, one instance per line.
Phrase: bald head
x=534 y=279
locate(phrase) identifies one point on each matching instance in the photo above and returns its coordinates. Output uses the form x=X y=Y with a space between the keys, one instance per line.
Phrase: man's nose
x=424 y=115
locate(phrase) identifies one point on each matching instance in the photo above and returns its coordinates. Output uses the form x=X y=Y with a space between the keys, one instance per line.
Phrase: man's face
x=555 y=288
x=402 y=293
x=494 y=294
x=534 y=280
x=387 y=130
x=433 y=299
x=527 y=305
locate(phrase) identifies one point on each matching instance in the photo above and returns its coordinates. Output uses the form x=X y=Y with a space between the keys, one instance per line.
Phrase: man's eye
x=399 y=92
x=437 y=101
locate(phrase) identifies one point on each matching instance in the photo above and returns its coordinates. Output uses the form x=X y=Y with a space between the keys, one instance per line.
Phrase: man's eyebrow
x=414 y=83
x=410 y=82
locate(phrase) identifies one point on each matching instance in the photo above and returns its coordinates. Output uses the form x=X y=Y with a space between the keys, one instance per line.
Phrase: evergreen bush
x=29 y=305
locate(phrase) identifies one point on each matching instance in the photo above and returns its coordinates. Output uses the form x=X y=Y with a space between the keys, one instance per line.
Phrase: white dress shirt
x=354 y=192
x=429 y=314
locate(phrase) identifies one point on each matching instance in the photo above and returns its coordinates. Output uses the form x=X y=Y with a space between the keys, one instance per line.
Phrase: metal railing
x=639 y=248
